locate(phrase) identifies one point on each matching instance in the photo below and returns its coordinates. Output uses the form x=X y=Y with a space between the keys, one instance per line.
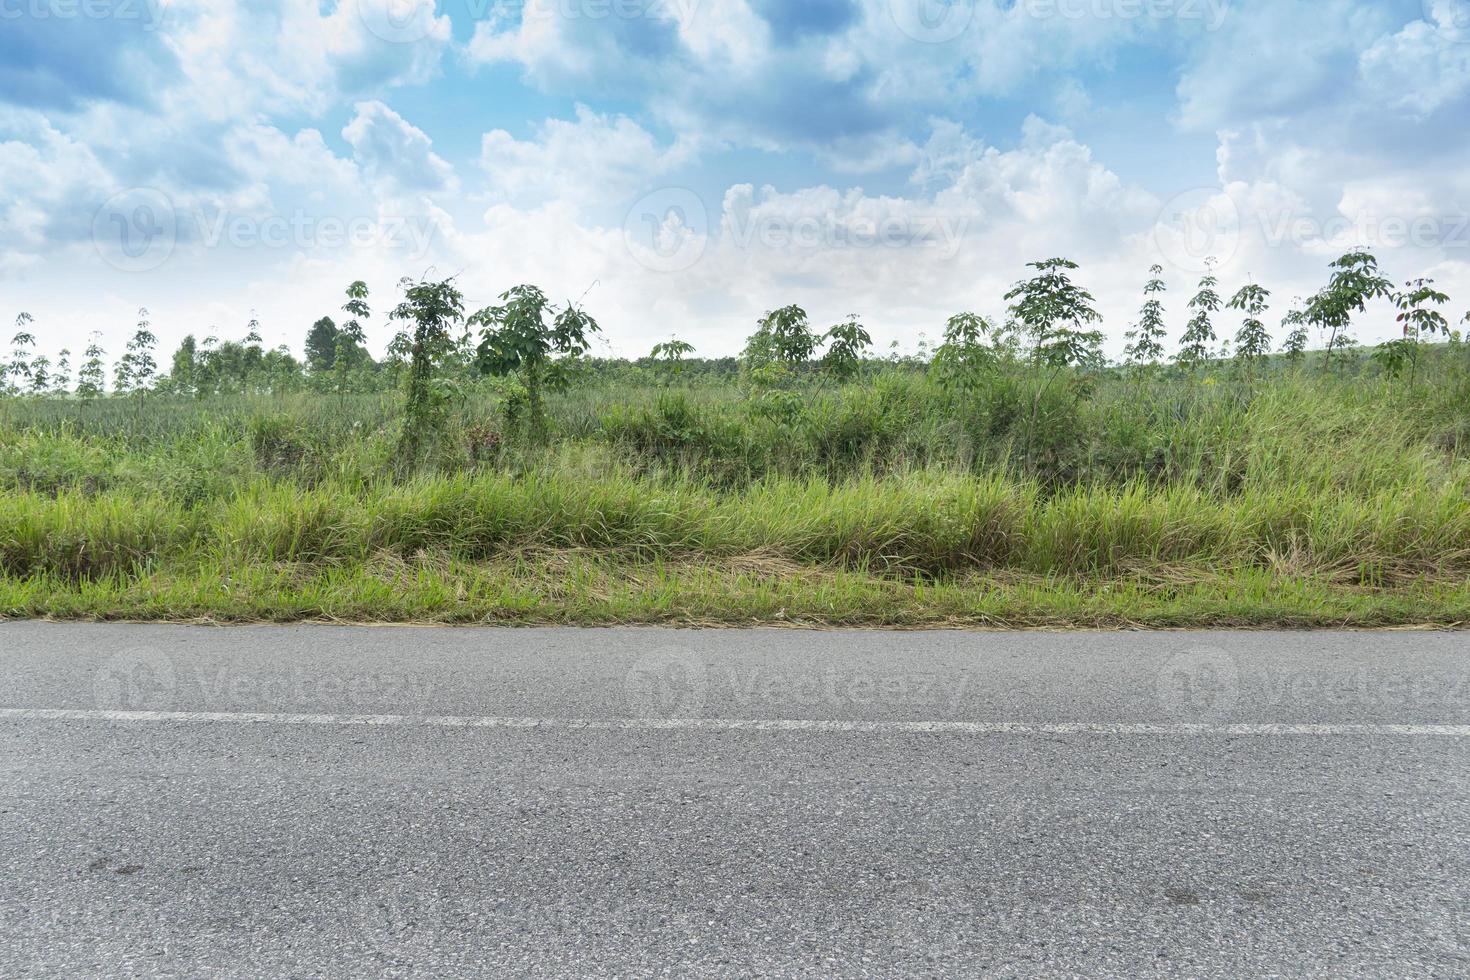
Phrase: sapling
x=671 y=354
x=1145 y=342
x=1199 y=333
x=433 y=309
x=847 y=342
x=61 y=376
x=1252 y=342
x=1053 y=311
x=1295 y=345
x=140 y=350
x=1416 y=315
x=1355 y=281
x=960 y=360
x=18 y=371
x=41 y=375
x=92 y=375
x=528 y=336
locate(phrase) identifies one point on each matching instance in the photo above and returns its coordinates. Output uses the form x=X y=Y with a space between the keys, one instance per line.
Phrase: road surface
x=347 y=802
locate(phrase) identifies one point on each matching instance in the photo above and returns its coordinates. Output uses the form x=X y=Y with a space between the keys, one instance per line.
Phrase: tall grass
x=928 y=522
x=1356 y=482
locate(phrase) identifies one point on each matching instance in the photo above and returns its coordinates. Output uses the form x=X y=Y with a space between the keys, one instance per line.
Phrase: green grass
x=1173 y=502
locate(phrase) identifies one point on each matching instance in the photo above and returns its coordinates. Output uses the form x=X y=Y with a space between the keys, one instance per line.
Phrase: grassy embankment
x=1299 y=501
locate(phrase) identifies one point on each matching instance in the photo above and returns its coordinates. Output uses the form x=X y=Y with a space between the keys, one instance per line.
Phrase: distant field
x=1102 y=497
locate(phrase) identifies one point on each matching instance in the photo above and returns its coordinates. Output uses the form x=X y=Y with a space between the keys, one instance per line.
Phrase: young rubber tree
x=670 y=355
x=17 y=374
x=41 y=375
x=1355 y=281
x=141 y=364
x=61 y=376
x=1295 y=345
x=1418 y=317
x=960 y=362
x=92 y=375
x=1054 y=312
x=357 y=308
x=847 y=343
x=1199 y=333
x=527 y=336
x=432 y=309
x=1252 y=342
x=1146 y=341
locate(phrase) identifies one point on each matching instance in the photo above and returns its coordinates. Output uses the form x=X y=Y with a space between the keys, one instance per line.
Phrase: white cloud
x=395 y=152
x=595 y=158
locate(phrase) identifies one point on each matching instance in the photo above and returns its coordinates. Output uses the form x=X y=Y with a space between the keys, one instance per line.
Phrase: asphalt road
x=344 y=802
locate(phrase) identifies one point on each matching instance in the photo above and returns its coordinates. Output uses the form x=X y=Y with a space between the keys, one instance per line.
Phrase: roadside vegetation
x=487 y=469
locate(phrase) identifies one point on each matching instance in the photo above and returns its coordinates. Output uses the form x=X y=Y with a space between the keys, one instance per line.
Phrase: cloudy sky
x=685 y=165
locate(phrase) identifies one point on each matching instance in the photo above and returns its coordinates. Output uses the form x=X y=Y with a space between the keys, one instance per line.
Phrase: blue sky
x=686 y=165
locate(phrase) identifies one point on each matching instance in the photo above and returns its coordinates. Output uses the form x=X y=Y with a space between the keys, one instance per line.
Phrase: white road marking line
x=726 y=724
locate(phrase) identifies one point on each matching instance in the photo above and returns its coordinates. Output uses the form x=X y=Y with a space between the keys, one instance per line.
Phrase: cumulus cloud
x=843 y=78
x=395 y=152
x=594 y=158
x=845 y=154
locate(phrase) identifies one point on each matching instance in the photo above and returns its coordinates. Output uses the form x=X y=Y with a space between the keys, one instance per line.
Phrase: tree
x=1252 y=342
x=61 y=377
x=1355 y=281
x=1199 y=333
x=791 y=335
x=140 y=354
x=1053 y=311
x=1418 y=318
x=1146 y=341
x=526 y=335
x=17 y=374
x=784 y=337
x=181 y=369
x=41 y=375
x=671 y=354
x=847 y=343
x=400 y=349
x=433 y=308
x=357 y=308
x=92 y=375
x=1295 y=345
x=321 y=346
x=962 y=357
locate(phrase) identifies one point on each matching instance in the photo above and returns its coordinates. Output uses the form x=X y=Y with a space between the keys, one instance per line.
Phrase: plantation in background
x=488 y=470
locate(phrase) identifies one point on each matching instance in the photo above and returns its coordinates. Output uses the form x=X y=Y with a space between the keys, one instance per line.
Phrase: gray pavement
x=315 y=801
